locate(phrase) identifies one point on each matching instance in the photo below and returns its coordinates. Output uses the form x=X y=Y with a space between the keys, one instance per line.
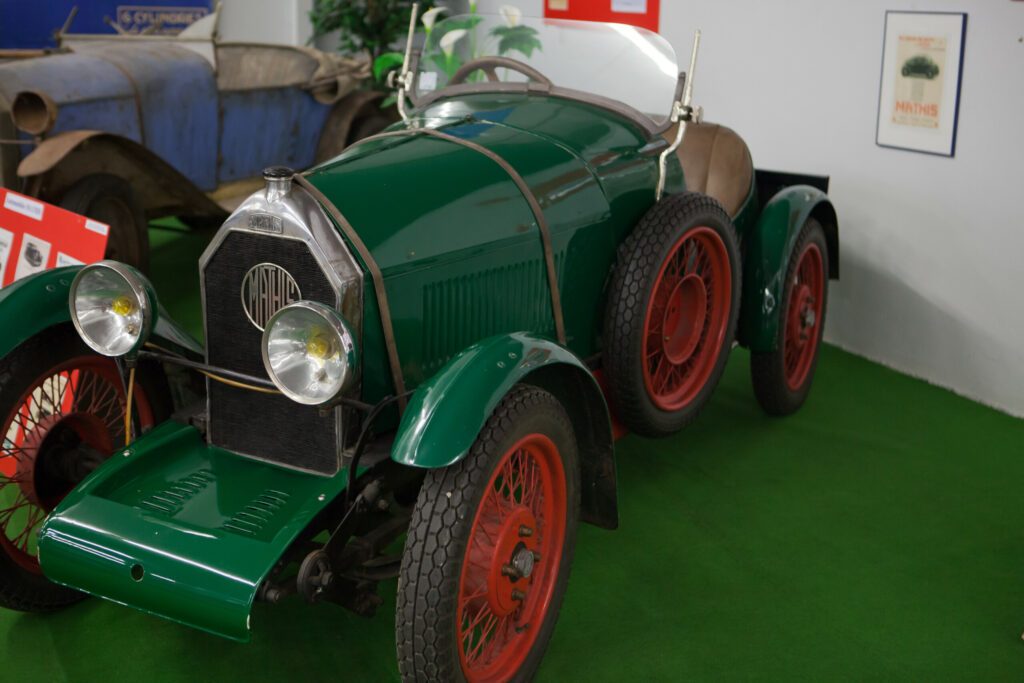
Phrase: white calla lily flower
x=430 y=17
x=449 y=39
x=512 y=15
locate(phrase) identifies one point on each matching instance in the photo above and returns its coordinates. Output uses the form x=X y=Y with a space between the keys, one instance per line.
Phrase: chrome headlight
x=112 y=307
x=309 y=352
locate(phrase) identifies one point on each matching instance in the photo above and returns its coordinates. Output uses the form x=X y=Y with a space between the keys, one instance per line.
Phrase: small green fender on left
x=38 y=302
x=448 y=411
x=768 y=250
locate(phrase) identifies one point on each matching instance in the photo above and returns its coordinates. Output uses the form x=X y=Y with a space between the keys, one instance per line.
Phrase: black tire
x=21 y=589
x=110 y=200
x=370 y=124
x=427 y=628
x=639 y=263
x=203 y=222
x=768 y=368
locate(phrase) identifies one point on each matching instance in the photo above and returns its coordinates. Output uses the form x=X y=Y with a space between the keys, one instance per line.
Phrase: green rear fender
x=38 y=302
x=449 y=410
x=768 y=249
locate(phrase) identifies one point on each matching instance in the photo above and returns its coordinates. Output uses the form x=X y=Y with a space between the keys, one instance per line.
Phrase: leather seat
x=717 y=163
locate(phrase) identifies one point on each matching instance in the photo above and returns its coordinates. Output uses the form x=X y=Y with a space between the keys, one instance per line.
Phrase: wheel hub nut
x=809 y=318
x=523 y=562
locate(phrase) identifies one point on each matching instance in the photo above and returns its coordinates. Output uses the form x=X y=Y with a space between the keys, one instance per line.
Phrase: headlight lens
x=112 y=307
x=309 y=352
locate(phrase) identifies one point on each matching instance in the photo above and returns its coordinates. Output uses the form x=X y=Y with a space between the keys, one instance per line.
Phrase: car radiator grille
x=264 y=426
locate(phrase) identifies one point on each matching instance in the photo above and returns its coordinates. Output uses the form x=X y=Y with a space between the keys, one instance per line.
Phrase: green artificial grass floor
x=876 y=535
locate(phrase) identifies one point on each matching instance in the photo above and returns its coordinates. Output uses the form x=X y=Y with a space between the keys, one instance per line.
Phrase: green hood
x=449 y=228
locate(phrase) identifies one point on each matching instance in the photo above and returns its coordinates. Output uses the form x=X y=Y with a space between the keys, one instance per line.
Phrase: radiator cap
x=279 y=180
x=278 y=173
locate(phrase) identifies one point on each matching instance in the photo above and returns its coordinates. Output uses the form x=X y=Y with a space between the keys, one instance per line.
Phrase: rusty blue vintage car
x=128 y=128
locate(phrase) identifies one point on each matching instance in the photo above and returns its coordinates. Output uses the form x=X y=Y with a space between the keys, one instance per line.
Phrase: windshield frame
x=420 y=101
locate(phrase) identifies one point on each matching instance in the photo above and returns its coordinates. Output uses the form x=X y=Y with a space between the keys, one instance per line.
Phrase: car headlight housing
x=113 y=307
x=309 y=352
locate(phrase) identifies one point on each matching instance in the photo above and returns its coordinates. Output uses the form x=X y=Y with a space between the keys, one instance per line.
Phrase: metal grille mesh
x=263 y=426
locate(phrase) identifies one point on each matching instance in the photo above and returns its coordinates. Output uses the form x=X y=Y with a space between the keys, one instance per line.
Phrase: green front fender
x=768 y=249
x=447 y=412
x=38 y=302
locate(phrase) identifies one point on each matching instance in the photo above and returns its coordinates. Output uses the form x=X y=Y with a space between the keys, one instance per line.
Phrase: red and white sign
x=35 y=236
x=642 y=13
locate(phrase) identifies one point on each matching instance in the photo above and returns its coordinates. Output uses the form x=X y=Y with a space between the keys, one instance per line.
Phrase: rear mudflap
x=180 y=529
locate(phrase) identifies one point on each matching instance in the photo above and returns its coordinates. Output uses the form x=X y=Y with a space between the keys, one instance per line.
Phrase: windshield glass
x=623 y=63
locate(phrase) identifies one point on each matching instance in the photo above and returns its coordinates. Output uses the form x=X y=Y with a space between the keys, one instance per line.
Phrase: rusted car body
x=175 y=125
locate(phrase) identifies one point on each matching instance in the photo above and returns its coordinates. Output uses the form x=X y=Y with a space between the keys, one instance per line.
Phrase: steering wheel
x=488 y=66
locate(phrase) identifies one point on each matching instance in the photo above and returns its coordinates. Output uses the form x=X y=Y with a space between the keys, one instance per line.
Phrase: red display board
x=642 y=13
x=35 y=236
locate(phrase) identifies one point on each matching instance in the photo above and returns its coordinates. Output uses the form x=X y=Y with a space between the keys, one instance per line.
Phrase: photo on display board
x=35 y=253
x=922 y=66
x=6 y=246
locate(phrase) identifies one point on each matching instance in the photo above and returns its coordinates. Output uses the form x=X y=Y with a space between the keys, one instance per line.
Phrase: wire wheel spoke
x=497 y=608
x=803 y=317
x=80 y=401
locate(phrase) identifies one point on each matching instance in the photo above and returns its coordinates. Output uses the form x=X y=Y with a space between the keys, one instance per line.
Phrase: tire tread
x=432 y=561
x=767 y=368
x=637 y=261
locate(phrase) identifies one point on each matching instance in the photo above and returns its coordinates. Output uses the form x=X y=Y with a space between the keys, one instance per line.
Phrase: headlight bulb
x=112 y=307
x=309 y=352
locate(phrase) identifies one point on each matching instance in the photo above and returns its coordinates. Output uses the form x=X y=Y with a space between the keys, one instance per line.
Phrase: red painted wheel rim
x=687 y=318
x=497 y=628
x=803 y=316
x=83 y=396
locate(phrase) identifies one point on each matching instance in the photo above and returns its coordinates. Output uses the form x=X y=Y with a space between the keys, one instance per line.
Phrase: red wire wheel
x=489 y=548
x=782 y=376
x=804 y=316
x=687 y=319
x=511 y=565
x=673 y=306
x=71 y=409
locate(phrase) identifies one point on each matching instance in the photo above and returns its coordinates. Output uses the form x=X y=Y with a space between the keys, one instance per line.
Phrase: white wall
x=284 y=22
x=932 y=255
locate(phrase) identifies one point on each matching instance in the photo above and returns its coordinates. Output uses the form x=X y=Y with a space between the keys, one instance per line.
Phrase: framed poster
x=922 y=64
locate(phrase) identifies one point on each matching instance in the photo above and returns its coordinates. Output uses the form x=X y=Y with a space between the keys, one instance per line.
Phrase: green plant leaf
x=385 y=63
x=467 y=23
x=371 y=26
x=522 y=39
x=448 y=66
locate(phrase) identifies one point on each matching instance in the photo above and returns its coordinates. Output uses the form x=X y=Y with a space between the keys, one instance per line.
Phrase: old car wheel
x=489 y=549
x=672 y=311
x=782 y=378
x=110 y=200
x=371 y=124
x=64 y=413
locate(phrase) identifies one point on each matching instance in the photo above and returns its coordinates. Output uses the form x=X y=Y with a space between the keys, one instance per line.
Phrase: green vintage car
x=435 y=336
x=920 y=66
